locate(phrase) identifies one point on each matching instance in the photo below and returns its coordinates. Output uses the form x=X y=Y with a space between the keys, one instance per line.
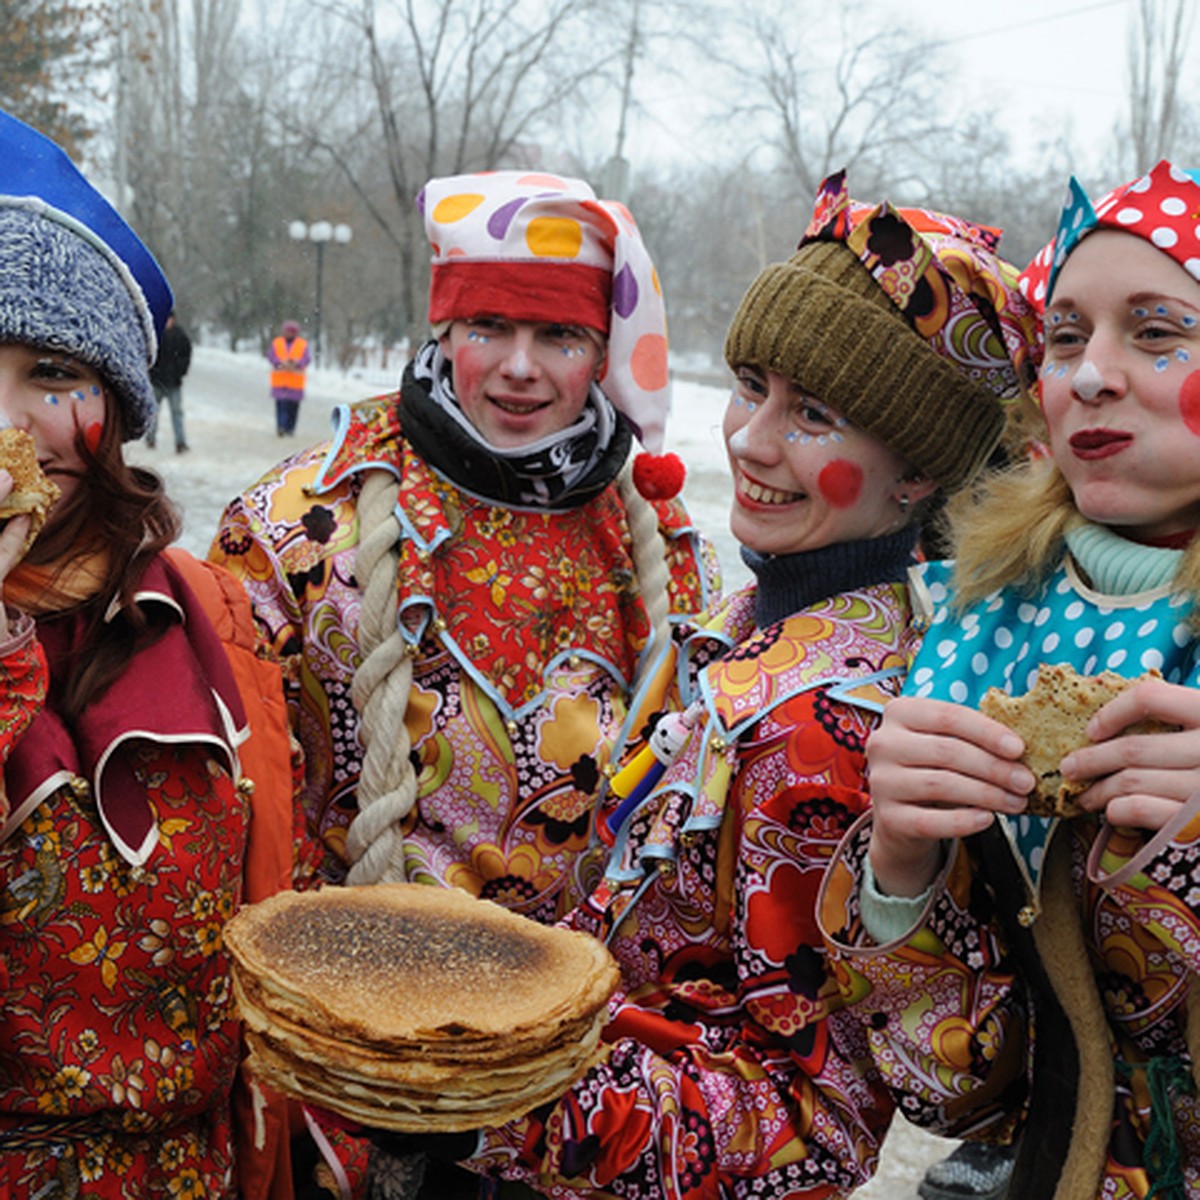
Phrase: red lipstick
x=1090 y=444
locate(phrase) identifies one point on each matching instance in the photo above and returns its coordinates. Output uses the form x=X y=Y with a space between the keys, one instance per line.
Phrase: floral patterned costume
x=119 y=863
x=725 y=1074
x=526 y=625
x=1053 y=962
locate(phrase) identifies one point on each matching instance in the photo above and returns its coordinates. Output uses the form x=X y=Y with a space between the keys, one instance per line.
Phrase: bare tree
x=44 y=59
x=421 y=89
x=858 y=97
x=1158 y=43
x=206 y=168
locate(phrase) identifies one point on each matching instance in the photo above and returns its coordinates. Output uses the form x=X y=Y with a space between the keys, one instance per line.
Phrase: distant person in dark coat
x=166 y=375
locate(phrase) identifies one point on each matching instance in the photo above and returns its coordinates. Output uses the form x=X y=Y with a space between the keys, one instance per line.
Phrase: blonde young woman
x=1054 y=960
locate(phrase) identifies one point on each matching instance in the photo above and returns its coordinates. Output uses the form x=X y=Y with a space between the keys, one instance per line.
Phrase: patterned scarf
x=563 y=470
x=55 y=587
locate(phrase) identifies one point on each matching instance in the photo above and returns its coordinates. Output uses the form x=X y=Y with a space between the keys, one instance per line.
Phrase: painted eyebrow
x=1137 y=298
x=1163 y=298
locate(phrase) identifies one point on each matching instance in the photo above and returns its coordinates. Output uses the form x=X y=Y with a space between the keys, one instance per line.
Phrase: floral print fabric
x=951 y=1023
x=119 y=1042
x=528 y=629
x=727 y=1072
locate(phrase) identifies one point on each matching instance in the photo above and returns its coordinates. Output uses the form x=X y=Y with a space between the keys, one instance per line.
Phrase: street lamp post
x=319 y=232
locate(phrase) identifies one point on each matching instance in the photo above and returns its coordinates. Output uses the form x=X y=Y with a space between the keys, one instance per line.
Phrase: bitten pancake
x=1051 y=719
x=32 y=493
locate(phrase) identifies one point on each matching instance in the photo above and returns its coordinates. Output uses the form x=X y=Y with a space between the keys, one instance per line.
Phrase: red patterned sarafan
x=119 y=1046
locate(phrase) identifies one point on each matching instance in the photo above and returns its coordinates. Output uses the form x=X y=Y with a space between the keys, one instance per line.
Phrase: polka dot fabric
x=1002 y=640
x=540 y=247
x=1163 y=207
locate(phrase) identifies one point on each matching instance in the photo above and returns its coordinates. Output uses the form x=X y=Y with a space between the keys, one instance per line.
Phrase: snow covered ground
x=230 y=427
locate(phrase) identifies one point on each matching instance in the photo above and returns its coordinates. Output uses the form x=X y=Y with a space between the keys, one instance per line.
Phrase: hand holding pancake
x=26 y=496
x=938 y=771
x=31 y=495
x=1142 y=763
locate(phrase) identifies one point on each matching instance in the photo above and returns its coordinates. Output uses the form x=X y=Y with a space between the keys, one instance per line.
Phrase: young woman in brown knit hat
x=871 y=369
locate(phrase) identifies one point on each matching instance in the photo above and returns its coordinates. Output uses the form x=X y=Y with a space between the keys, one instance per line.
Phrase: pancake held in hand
x=32 y=493
x=416 y=1007
x=1052 y=720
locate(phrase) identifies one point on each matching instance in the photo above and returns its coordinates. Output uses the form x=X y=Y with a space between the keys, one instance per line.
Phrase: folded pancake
x=1051 y=719
x=32 y=494
x=415 y=1007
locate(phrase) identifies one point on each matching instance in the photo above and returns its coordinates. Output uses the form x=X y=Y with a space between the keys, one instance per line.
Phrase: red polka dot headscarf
x=1163 y=207
x=535 y=247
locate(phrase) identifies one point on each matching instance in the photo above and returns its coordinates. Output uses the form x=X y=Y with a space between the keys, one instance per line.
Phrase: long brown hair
x=122 y=512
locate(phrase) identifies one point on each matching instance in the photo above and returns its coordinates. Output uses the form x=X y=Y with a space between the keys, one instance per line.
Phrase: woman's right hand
x=12 y=540
x=938 y=770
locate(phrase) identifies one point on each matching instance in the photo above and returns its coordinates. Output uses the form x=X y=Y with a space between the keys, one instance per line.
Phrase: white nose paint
x=520 y=367
x=1087 y=382
x=739 y=442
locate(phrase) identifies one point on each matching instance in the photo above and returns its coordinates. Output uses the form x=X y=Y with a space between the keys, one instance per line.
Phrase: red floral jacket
x=527 y=628
x=120 y=861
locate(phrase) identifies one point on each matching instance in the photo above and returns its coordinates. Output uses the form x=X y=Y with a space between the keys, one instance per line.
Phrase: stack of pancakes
x=416 y=1008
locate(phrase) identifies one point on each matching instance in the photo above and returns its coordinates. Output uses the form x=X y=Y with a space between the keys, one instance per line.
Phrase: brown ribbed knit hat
x=821 y=320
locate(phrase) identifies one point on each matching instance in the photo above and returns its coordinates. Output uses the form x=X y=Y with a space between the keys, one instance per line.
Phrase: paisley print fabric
x=527 y=630
x=942 y=272
x=951 y=1021
x=731 y=1069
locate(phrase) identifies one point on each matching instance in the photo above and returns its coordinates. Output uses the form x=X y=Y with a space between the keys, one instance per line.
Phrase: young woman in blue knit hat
x=124 y=824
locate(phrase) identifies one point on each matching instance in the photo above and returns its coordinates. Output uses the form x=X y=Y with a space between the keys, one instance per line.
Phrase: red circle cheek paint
x=1189 y=402
x=92 y=435
x=841 y=482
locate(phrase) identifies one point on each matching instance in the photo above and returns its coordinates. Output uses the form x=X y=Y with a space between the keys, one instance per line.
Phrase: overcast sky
x=1034 y=61
x=1045 y=58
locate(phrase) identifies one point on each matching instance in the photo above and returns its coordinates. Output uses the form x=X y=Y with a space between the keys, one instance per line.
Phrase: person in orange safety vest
x=289 y=356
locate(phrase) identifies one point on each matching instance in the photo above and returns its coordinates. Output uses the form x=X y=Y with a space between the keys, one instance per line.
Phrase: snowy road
x=230 y=425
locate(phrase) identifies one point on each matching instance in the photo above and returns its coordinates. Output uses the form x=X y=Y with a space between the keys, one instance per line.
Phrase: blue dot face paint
x=795 y=437
x=473 y=335
x=50 y=398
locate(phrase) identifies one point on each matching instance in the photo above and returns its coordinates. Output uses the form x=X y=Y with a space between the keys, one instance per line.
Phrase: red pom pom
x=659 y=476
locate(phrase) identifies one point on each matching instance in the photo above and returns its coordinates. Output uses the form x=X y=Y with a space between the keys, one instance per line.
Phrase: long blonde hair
x=1010 y=532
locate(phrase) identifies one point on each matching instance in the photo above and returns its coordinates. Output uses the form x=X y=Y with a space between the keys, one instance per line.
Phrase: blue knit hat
x=73 y=275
